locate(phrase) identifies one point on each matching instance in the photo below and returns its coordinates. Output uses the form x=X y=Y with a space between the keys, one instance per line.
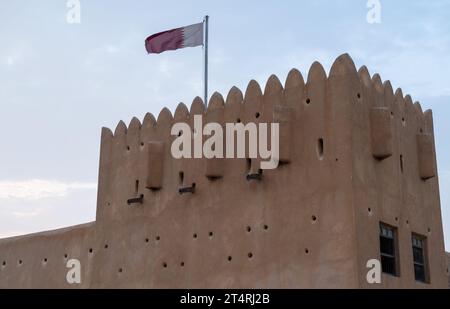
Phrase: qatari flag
x=189 y=36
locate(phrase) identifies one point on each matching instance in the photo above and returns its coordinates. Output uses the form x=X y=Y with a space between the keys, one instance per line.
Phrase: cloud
x=36 y=189
x=27 y=214
x=12 y=59
x=40 y=205
x=111 y=49
x=167 y=67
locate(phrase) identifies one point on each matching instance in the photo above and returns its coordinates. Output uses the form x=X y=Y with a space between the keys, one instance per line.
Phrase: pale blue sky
x=60 y=83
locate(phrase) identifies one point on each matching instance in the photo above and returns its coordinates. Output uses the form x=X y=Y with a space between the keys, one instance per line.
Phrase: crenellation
x=215 y=113
x=133 y=135
x=389 y=97
x=164 y=122
x=293 y=92
x=282 y=115
x=181 y=113
x=365 y=78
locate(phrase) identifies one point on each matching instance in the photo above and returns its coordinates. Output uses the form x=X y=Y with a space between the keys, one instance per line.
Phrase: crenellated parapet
x=136 y=160
x=352 y=154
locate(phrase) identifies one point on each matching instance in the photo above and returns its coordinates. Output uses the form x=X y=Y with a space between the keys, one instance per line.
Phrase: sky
x=61 y=82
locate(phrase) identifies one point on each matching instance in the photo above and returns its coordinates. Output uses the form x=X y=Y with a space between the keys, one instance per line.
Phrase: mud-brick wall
x=294 y=227
x=395 y=180
x=40 y=260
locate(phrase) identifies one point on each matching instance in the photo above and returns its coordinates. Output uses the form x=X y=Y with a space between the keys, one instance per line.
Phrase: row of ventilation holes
x=158 y=238
x=229 y=258
x=370 y=211
x=195 y=236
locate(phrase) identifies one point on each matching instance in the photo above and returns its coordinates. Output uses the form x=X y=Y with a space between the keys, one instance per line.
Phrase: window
x=388 y=249
x=419 y=258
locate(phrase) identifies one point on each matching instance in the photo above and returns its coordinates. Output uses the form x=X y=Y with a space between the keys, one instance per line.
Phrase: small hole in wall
x=421 y=130
x=65 y=256
x=45 y=260
x=250 y=255
x=195 y=235
x=181 y=177
x=266 y=227
x=120 y=270
x=307 y=251
x=403 y=121
x=407 y=221
x=337 y=160
x=257 y=115
x=238 y=120
x=180 y=133
x=429 y=230
x=230 y=258
x=136 y=186
x=401 y=163
x=128 y=148
x=211 y=234
x=249 y=229
x=358 y=95
x=369 y=210
x=106 y=246
x=314 y=218
x=308 y=100
x=158 y=238
x=282 y=163
x=147 y=240
x=20 y=262
x=164 y=265
x=142 y=144
x=182 y=264
x=4 y=264
x=396 y=219
x=249 y=164
x=90 y=250
x=320 y=148
x=392 y=114
x=109 y=204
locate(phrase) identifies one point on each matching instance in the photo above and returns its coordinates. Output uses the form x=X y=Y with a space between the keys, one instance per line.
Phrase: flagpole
x=205 y=49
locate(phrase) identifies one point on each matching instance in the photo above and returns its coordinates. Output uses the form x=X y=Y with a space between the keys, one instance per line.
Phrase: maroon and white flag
x=189 y=36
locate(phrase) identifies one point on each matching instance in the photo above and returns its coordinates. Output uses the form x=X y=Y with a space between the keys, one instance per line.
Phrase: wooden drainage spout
x=190 y=189
x=257 y=176
x=136 y=200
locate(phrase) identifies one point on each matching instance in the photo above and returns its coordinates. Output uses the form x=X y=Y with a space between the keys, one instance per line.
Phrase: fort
x=357 y=181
